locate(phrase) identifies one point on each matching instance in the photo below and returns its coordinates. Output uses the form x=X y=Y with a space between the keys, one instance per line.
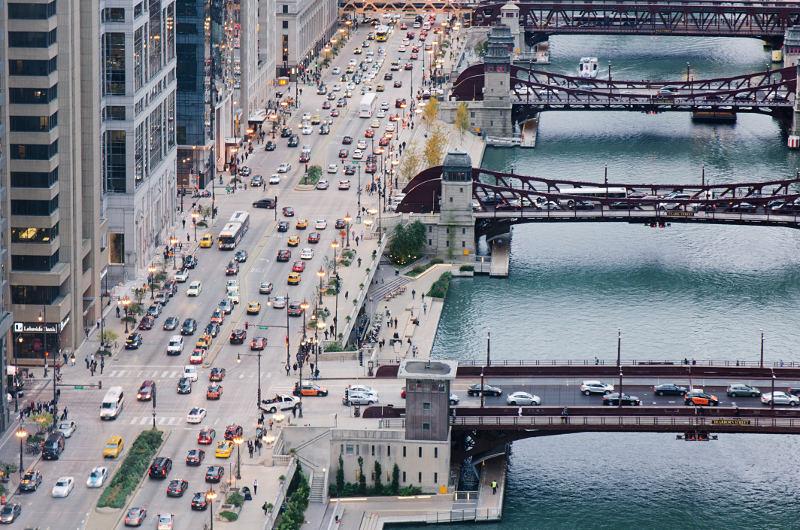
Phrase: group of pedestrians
x=92 y=365
x=38 y=407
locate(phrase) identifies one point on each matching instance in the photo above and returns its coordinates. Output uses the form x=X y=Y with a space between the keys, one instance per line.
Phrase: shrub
x=334 y=347
x=466 y=268
x=436 y=261
x=235 y=498
x=131 y=470
x=410 y=490
x=229 y=516
x=439 y=287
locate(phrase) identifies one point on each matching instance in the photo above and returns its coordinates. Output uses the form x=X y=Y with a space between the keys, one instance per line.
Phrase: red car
x=413 y=57
x=258 y=343
x=232 y=431
x=383 y=141
x=334 y=112
x=398 y=84
x=299 y=266
x=206 y=436
x=214 y=391
x=232 y=269
x=409 y=66
x=146 y=323
x=369 y=133
x=415 y=49
x=146 y=390
x=313 y=237
x=288 y=211
x=326 y=104
x=217 y=374
x=195 y=457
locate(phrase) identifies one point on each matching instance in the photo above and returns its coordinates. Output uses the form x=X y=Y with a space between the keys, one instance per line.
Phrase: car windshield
x=61 y=483
x=95 y=473
x=194 y=411
x=64 y=426
x=111 y=445
x=7 y=510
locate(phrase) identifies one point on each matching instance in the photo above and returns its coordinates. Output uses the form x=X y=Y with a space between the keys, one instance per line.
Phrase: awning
x=258 y=116
x=232 y=141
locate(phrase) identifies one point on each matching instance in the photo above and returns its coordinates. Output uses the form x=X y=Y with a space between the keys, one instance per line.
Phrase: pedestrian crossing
x=156 y=375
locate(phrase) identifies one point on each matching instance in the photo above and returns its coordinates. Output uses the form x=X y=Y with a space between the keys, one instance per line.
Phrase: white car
x=384 y=106
x=368 y=58
x=97 y=477
x=279 y=302
x=358 y=154
x=306 y=253
x=523 y=398
x=182 y=275
x=194 y=288
x=196 y=415
x=351 y=62
x=231 y=283
x=781 y=398
x=401 y=48
x=351 y=86
x=190 y=372
x=333 y=169
x=279 y=402
x=359 y=398
x=306 y=116
x=389 y=127
x=336 y=87
x=67 y=428
x=165 y=521
x=595 y=387
x=275 y=179
x=284 y=167
x=381 y=113
x=362 y=388
x=308 y=130
x=362 y=144
x=63 y=486
x=320 y=224
x=375 y=123
x=336 y=70
x=175 y=346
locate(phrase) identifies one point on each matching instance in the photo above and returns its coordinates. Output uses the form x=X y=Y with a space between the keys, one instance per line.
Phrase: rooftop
x=438 y=370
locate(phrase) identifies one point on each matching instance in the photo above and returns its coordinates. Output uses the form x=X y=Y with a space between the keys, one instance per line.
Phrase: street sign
x=263 y=327
x=78 y=387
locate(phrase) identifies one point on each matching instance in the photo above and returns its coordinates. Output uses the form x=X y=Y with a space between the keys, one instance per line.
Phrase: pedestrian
x=359 y=262
x=72 y=359
x=494 y=487
x=255 y=486
x=118 y=312
x=356 y=240
x=565 y=415
x=346 y=294
x=184 y=222
x=326 y=334
x=519 y=412
x=413 y=293
x=102 y=364
x=92 y=368
x=294 y=367
x=87 y=361
x=187 y=237
x=287 y=367
x=423 y=297
x=424 y=308
x=66 y=358
x=265 y=507
x=395 y=322
x=270 y=425
x=294 y=411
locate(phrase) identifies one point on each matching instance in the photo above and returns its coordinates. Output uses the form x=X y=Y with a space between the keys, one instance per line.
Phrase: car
x=195 y=288
x=237 y=336
x=358 y=154
x=146 y=323
x=380 y=88
x=669 y=389
x=375 y=124
x=216 y=374
x=344 y=153
x=196 y=415
x=182 y=275
x=232 y=268
x=298 y=266
x=224 y=448
x=258 y=343
x=10 y=512
x=362 y=144
x=284 y=255
x=177 y=487
x=344 y=184
x=146 y=390
x=133 y=341
x=206 y=436
x=667 y=91
x=265 y=288
x=347 y=140
x=171 y=323
x=739 y=389
x=295 y=309
x=212 y=329
x=334 y=112
x=307 y=130
x=313 y=237
x=203 y=341
x=322 y=184
x=160 y=467
x=780 y=398
x=214 y=474
x=301 y=224
x=309 y=389
x=63 y=487
x=294 y=141
x=398 y=84
x=264 y=203
x=333 y=169
x=488 y=390
x=383 y=142
x=331 y=96
x=614 y=399
x=279 y=402
x=245 y=171
x=306 y=254
x=293 y=278
x=165 y=521
x=195 y=457
x=197 y=356
x=293 y=241
x=184 y=385
x=240 y=256
x=279 y=302
x=232 y=431
x=189 y=326
x=326 y=105
x=270 y=146
x=257 y=181
x=253 y=308
x=339 y=224
x=283 y=226
x=199 y=501
x=696 y=397
x=523 y=398
x=325 y=129
x=349 y=170
x=359 y=398
x=369 y=133
x=135 y=516
x=388 y=76
x=595 y=387
x=67 y=428
x=31 y=481
x=97 y=477
x=288 y=211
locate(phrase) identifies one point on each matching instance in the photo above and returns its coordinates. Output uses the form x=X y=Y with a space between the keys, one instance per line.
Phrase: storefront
x=32 y=340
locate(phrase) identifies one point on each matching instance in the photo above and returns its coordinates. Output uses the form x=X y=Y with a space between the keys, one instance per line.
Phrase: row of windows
x=33 y=234
x=114 y=71
x=33 y=123
x=34 y=294
x=114 y=157
x=36 y=96
x=33 y=179
x=21 y=262
x=31 y=11
x=34 y=151
x=32 y=66
x=31 y=39
x=350 y=449
x=114 y=113
x=114 y=14
x=25 y=207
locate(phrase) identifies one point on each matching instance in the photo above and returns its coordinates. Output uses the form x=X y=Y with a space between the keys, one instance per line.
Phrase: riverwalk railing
x=454 y=516
x=631 y=362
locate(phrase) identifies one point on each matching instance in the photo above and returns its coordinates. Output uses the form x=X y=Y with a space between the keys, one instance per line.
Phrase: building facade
x=138 y=108
x=304 y=27
x=56 y=228
x=257 y=56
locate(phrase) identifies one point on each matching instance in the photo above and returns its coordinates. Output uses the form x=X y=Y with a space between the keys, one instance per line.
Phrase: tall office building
x=304 y=27
x=138 y=106
x=257 y=56
x=56 y=231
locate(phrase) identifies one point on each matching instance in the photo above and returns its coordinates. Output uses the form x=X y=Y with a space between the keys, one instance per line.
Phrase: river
x=675 y=292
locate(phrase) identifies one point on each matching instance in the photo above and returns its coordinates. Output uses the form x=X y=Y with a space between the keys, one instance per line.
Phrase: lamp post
x=334 y=245
x=152 y=270
x=321 y=274
x=210 y=496
x=195 y=215
x=125 y=303
x=347 y=220
x=320 y=325
x=21 y=434
x=301 y=358
x=238 y=441
x=174 y=242
x=336 y=314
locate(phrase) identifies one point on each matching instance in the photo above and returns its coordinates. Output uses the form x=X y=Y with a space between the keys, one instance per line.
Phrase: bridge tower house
x=791 y=57
x=453 y=235
x=509 y=16
x=494 y=115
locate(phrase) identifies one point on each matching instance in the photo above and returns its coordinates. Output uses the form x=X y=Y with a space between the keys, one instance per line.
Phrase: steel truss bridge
x=401 y=6
x=504 y=199
x=763 y=20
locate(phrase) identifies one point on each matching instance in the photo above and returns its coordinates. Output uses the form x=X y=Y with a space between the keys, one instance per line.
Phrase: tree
x=462 y=118
x=431 y=112
x=481 y=48
x=340 y=477
x=435 y=146
x=378 y=485
x=407 y=243
x=411 y=162
x=395 y=479
x=362 y=480
x=314 y=173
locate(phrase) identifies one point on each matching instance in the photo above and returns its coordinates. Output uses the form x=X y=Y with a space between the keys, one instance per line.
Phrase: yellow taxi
x=315 y=120
x=379 y=88
x=207 y=241
x=293 y=241
x=253 y=308
x=294 y=278
x=224 y=449
x=301 y=224
x=203 y=341
x=113 y=447
x=349 y=70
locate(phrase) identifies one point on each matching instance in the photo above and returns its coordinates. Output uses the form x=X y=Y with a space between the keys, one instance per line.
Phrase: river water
x=680 y=291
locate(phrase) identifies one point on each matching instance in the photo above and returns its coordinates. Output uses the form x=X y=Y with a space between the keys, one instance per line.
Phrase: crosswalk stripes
x=160 y=420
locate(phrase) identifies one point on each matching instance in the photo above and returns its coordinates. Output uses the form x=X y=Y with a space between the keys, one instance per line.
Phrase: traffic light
x=287 y=340
x=361 y=357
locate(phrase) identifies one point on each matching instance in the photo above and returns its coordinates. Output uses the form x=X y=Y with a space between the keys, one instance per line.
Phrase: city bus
x=599 y=193
x=367 y=105
x=381 y=33
x=234 y=230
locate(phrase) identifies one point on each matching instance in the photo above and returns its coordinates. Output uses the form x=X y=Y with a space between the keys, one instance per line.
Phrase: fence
x=281 y=496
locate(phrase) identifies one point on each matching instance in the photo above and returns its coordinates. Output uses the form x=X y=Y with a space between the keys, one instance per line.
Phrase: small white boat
x=588 y=68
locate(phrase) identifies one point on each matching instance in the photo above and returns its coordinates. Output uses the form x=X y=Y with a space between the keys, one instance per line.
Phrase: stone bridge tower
x=456 y=227
x=495 y=112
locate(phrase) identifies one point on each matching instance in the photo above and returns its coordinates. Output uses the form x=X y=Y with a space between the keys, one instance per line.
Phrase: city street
x=128 y=368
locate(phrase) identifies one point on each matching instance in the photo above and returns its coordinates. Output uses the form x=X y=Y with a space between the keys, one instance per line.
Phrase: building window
x=114 y=14
x=138 y=10
x=33 y=234
x=285 y=24
x=388 y=450
x=156 y=137
x=373 y=450
x=33 y=294
x=404 y=453
x=426 y=426
x=138 y=154
x=420 y=451
x=420 y=477
x=451 y=199
x=285 y=8
x=463 y=244
x=169 y=28
x=34 y=96
x=31 y=39
x=426 y=406
x=463 y=231
x=34 y=151
x=32 y=67
x=285 y=48
x=116 y=249
x=115 y=112
x=114 y=51
x=138 y=58
x=24 y=207
x=435 y=452
x=430 y=242
x=404 y=476
x=34 y=263
x=33 y=123
x=348 y=449
x=31 y=11
x=114 y=157
x=436 y=478
x=26 y=179
x=154 y=43
x=171 y=120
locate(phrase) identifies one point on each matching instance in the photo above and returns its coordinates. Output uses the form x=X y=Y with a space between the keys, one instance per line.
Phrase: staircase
x=318 y=486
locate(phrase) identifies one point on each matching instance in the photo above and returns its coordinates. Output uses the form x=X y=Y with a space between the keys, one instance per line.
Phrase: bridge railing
x=631 y=362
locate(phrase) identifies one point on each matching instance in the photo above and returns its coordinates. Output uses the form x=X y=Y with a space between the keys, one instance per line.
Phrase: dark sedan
x=614 y=399
x=264 y=203
x=238 y=336
x=133 y=341
x=195 y=457
x=284 y=255
x=488 y=390
x=177 y=488
x=190 y=261
x=270 y=146
x=214 y=474
x=184 y=385
x=171 y=323
x=283 y=226
x=669 y=389
x=199 y=501
x=189 y=326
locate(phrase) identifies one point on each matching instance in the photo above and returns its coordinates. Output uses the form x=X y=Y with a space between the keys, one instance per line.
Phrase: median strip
x=132 y=469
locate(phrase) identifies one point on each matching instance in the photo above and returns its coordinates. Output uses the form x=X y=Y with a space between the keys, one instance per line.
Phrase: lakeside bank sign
x=39 y=327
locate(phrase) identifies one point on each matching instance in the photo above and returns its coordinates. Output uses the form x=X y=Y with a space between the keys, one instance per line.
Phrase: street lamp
x=195 y=215
x=152 y=270
x=334 y=245
x=125 y=303
x=238 y=441
x=21 y=434
x=174 y=242
x=210 y=496
x=321 y=274
x=302 y=356
x=347 y=220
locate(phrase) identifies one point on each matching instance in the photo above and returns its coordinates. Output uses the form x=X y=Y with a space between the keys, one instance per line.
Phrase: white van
x=233 y=295
x=175 y=346
x=112 y=404
x=190 y=372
